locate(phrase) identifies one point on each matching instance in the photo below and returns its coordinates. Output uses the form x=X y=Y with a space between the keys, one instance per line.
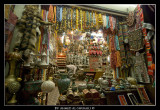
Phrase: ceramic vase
x=48 y=86
x=32 y=86
x=74 y=87
x=104 y=83
x=63 y=83
x=81 y=87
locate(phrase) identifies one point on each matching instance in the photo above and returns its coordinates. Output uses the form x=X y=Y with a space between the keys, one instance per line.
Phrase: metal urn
x=104 y=83
x=10 y=82
x=63 y=83
x=48 y=86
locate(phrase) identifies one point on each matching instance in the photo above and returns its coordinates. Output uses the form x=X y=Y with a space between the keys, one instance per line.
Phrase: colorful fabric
x=108 y=22
x=111 y=23
x=140 y=69
x=121 y=45
x=118 y=62
x=117 y=43
x=50 y=14
x=149 y=56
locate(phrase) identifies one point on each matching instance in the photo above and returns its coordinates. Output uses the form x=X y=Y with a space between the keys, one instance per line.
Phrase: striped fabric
x=147 y=44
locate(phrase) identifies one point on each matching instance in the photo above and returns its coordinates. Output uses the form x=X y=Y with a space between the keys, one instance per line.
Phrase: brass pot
x=13 y=58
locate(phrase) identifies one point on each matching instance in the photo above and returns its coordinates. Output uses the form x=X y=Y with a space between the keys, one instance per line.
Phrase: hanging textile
x=118 y=62
x=150 y=71
x=50 y=14
x=121 y=45
x=135 y=40
x=113 y=52
x=111 y=23
x=125 y=32
x=12 y=20
x=104 y=21
x=117 y=43
x=46 y=16
x=7 y=11
x=140 y=70
x=107 y=22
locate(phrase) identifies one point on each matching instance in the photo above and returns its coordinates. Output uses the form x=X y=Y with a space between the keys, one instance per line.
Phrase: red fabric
x=12 y=18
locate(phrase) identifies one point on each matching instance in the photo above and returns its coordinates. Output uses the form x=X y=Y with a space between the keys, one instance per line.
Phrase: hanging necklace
x=84 y=20
x=74 y=18
x=77 y=19
x=91 y=14
x=81 y=20
x=71 y=18
x=94 y=20
x=65 y=25
x=87 y=19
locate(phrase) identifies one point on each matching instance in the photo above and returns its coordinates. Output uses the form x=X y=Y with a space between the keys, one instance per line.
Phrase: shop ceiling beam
x=101 y=10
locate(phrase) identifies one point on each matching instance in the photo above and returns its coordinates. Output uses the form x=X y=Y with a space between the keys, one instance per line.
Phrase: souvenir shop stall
x=79 y=55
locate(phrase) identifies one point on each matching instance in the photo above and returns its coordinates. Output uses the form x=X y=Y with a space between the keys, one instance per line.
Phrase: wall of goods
x=56 y=45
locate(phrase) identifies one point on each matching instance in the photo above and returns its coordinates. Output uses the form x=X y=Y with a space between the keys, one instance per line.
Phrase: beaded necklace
x=84 y=18
x=77 y=19
x=94 y=19
x=81 y=20
x=96 y=16
x=74 y=18
x=65 y=15
x=91 y=19
x=87 y=20
x=71 y=18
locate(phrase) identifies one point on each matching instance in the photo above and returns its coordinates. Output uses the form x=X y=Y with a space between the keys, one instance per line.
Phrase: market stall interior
x=79 y=55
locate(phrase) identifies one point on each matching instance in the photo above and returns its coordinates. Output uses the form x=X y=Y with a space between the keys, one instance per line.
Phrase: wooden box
x=95 y=93
x=96 y=101
x=87 y=94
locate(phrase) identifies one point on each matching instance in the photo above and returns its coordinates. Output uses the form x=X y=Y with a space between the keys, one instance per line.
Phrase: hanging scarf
x=59 y=13
x=46 y=16
x=114 y=22
x=104 y=21
x=113 y=52
x=107 y=22
x=118 y=62
x=111 y=23
x=121 y=45
x=117 y=43
x=149 y=56
x=50 y=14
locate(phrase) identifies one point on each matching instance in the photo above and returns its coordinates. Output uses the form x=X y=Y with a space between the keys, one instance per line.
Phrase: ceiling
x=118 y=7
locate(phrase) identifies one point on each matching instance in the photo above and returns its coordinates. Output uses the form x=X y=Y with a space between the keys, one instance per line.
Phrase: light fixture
x=108 y=58
x=71 y=32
